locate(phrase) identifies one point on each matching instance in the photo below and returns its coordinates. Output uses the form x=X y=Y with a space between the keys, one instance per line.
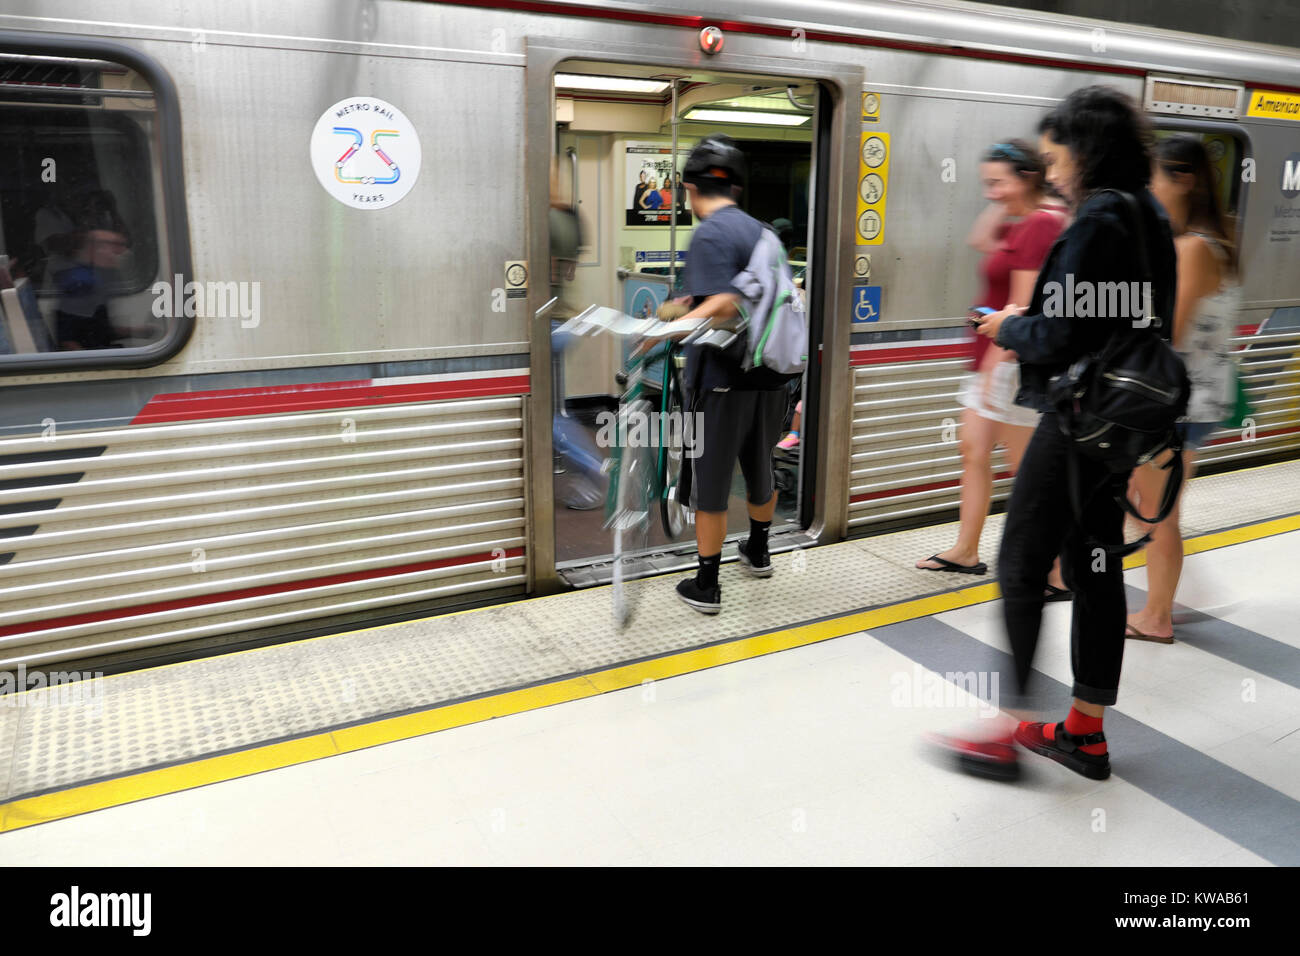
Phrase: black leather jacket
x=1097 y=251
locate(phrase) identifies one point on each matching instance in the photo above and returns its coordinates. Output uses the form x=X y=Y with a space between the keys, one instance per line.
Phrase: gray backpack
x=773 y=310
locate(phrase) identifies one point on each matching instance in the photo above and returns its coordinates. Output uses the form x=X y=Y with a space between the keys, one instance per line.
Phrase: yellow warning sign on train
x=1269 y=104
x=873 y=185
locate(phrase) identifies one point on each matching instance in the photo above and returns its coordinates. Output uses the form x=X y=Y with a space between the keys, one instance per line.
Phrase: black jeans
x=1040 y=525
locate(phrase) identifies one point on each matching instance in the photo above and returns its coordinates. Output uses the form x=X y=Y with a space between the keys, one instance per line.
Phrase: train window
x=1226 y=152
x=82 y=235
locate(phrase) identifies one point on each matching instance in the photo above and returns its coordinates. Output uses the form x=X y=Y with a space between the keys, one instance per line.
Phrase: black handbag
x=1121 y=405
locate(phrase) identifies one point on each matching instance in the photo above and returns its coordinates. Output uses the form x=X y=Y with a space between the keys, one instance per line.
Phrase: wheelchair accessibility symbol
x=866 y=303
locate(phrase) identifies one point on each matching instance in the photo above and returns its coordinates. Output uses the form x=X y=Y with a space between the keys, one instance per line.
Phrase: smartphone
x=981 y=310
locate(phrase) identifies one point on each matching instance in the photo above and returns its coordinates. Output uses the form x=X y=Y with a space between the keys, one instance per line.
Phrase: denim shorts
x=1195 y=433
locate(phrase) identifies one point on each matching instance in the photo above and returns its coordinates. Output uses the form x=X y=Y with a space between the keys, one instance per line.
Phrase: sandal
x=953 y=566
x=1053 y=593
x=1133 y=632
x=1064 y=748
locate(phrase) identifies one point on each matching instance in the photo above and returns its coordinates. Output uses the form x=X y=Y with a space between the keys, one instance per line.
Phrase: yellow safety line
x=154 y=783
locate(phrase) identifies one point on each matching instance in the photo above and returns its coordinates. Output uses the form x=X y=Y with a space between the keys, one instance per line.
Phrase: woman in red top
x=1014 y=233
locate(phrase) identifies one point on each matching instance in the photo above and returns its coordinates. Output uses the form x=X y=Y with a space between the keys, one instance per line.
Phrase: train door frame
x=835 y=149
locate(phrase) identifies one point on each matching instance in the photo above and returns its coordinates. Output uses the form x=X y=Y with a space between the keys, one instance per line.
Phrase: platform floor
x=650 y=752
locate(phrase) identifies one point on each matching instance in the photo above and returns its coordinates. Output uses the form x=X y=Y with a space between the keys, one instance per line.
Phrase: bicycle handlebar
x=599 y=318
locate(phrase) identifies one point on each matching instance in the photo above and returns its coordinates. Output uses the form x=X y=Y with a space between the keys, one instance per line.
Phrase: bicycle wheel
x=634 y=496
x=672 y=511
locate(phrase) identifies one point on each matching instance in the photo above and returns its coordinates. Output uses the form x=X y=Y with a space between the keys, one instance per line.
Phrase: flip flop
x=1057 y=594
x=953 y=566
x=1133 y=632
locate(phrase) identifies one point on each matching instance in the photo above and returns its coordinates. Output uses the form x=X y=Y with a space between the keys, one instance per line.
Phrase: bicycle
x=647 y=450
x=645 y=463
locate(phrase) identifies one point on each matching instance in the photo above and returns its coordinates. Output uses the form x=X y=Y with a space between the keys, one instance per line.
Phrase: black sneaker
x=759 y=567
x=704 y=600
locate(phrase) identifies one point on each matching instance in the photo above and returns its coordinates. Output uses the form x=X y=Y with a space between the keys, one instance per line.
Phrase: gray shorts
x=735 y=424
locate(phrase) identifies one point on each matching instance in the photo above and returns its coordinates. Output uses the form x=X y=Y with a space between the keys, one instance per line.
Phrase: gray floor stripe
x=1231 y=803
x=1250 y=649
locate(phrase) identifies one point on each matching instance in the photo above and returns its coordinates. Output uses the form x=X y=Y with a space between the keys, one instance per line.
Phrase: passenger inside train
x=78 y=225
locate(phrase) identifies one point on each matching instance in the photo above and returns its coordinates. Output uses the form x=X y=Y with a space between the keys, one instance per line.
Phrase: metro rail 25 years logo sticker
x=365 y=152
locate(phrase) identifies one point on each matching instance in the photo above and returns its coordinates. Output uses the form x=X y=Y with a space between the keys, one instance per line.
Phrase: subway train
x=277 y=281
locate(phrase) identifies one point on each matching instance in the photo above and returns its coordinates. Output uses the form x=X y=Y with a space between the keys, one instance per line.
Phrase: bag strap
x=1175 y=467
x=1173 y=484
x=1144 y=261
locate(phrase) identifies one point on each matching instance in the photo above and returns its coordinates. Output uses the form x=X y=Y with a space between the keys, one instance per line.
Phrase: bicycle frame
x=668 y=385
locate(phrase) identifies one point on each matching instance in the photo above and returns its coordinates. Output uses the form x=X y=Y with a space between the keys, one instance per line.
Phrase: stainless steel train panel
x=273 y=501
x=906 y=462
x=941 y=117
x=337 y=284
x=906 y=458
x=157 y=533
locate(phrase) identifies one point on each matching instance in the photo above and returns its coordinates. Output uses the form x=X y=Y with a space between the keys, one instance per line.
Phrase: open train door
x=602 y=121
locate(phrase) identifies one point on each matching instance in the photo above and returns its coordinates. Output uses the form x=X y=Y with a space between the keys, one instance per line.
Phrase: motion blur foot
x=704 y=600
x=993 y=756
x=760 y=565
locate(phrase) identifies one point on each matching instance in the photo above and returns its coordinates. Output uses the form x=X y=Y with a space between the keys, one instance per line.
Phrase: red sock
x=1079 y=724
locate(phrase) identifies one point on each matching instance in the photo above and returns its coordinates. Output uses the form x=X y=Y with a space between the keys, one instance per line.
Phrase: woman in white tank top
x=1205 y=319
x=1205 y=345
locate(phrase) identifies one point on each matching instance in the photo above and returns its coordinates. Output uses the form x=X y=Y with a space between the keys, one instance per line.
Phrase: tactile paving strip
x=1232 y=499
x=132 y=722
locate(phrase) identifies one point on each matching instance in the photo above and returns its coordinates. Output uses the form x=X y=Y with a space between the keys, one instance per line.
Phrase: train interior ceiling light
x=709 y=114
x=607 y=84
x=709 y=97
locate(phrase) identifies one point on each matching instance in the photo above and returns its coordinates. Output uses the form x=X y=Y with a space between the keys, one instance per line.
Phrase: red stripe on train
x=275 y=399
x=221 y=596
x=1273 y=433
x=934 y=486
x=921 y=352
x=911 y=353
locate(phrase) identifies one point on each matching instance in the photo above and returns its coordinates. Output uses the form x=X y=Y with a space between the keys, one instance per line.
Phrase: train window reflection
x=79 y=235
x=1226 y=152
